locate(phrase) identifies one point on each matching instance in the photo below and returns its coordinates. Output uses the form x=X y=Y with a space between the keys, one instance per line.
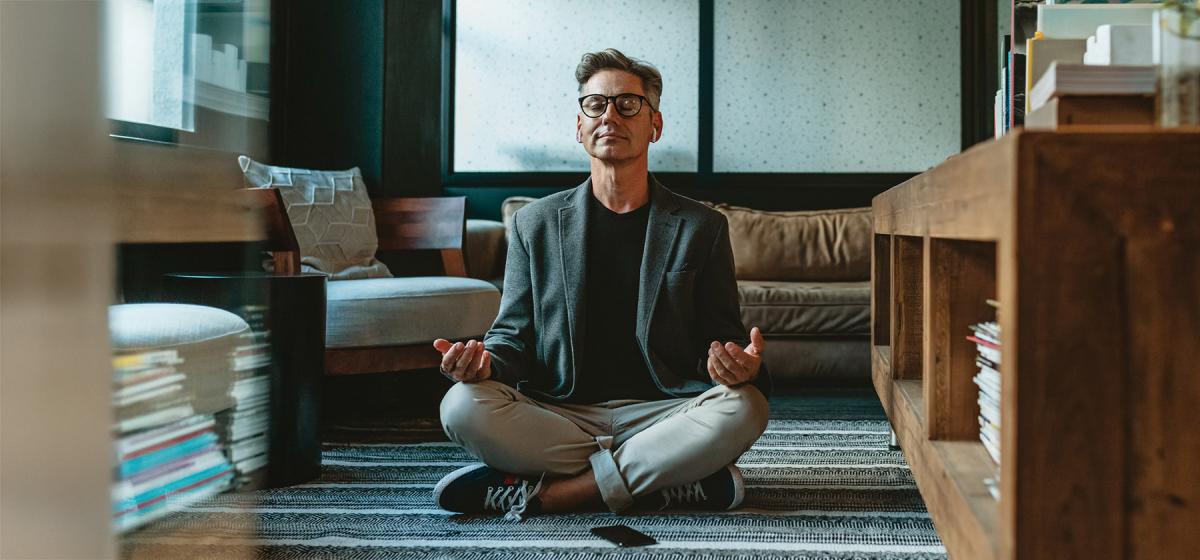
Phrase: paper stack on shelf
x=1041 y=52
x=987 y=343
x=1081 y=79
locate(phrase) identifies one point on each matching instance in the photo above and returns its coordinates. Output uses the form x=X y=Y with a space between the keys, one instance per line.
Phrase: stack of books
x=243 y=428
x=149 y=390
x=1074 y=32
x=987 y=343
x=254 y=353
x=167 y=456
x=1062 y=79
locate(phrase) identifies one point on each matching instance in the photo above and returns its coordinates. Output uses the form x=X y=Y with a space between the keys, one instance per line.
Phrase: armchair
x=381 y=325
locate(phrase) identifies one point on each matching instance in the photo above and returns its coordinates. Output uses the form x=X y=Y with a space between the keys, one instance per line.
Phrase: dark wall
x=412 y=98
x=328 y=96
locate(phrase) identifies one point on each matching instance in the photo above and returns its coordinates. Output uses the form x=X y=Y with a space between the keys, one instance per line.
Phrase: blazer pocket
x=675 y=276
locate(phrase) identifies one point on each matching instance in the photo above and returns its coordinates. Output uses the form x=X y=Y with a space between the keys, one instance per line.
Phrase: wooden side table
x=295 y=317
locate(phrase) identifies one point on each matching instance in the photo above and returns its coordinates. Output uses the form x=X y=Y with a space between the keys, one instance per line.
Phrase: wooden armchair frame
x=402 y=224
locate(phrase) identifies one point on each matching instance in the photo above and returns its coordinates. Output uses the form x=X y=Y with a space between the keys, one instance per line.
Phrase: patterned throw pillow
x=331 y=214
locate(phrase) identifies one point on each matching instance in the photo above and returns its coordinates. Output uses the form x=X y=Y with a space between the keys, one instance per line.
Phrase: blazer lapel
x=662 y=234
x=572 y=246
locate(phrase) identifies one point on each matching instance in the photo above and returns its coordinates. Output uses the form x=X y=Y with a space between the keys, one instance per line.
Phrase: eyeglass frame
x=608 y=99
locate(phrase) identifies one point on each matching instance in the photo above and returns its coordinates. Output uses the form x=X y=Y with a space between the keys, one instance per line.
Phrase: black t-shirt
x=614 y=367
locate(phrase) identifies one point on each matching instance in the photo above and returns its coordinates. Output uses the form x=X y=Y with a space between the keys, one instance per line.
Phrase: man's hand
x=729 y=364
x=468 y=362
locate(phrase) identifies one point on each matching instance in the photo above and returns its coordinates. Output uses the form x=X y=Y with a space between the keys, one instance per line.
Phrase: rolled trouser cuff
x=612 y=486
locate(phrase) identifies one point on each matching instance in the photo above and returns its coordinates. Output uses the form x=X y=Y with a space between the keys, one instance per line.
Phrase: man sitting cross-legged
x=618 y=372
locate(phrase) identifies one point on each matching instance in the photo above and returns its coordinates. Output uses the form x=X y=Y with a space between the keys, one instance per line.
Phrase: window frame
x=978 y=77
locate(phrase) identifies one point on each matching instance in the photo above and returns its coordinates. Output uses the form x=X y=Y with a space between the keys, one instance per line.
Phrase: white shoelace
x=683 y=494
x=513 y=498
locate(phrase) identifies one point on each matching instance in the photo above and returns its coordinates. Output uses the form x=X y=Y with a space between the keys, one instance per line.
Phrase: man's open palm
x=468 y=362
x=730 y=364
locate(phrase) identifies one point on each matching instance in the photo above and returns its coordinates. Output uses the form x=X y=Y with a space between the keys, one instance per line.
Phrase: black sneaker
x=722 y=490
x=482 y=489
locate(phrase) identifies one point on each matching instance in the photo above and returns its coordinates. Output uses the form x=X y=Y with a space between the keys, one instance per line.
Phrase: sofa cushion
x=510 y=207
x=801 y=246
x=330 y=212
x=840 y=357
x=390 y=311
x=485 y=249
x=806 y=308
x=205 y=339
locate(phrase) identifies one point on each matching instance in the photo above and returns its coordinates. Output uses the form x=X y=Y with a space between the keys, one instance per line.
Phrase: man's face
x=611 y=136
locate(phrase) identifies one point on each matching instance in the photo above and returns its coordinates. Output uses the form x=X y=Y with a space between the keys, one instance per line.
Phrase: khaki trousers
x=632 y=447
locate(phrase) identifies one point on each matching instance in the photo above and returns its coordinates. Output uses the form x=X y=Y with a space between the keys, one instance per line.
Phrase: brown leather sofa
x=803 y=279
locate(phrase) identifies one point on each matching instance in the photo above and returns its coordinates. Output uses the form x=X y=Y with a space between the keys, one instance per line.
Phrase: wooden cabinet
x=1091 y=243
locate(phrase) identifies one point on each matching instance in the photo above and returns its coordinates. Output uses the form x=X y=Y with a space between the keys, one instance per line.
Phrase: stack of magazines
x=986 y=337
x=167 y=455
x=243 y=428
x=149 y=390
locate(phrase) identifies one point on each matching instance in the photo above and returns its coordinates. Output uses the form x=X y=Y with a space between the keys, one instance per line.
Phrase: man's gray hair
x=613 y=59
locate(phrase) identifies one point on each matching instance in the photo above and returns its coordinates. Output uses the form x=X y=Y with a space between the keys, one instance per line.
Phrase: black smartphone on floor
x=622 y=535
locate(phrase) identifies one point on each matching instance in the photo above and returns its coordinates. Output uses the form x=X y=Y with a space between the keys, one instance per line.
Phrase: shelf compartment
x=907 y=268
x=950 y=476
x=960 y=276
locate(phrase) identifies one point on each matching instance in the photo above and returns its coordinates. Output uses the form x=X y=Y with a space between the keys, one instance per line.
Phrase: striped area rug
x=821 y=483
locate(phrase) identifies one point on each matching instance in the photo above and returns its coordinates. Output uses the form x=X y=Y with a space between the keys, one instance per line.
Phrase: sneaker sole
x=450 y=478
x=739 y=487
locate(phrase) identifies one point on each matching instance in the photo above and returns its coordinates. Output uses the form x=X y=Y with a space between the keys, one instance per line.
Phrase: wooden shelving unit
x=1091 y=243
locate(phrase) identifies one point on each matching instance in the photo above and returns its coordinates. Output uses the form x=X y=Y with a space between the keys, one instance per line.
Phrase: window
x=828 y=92
x=835 y=86
x=514 y=87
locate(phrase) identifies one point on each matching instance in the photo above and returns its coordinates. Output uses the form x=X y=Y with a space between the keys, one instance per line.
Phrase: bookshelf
x=1090 y=240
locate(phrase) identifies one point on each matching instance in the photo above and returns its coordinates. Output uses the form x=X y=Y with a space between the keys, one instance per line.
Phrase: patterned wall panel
x=835 y=85
x=515 y=91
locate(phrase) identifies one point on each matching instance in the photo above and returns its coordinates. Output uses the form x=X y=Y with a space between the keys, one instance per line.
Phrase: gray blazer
x=687 y=297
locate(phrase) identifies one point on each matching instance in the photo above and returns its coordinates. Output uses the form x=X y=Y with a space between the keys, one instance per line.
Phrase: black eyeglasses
x=628 y=104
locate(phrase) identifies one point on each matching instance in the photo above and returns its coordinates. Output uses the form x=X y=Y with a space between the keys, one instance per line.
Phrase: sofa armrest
x=486 y=248
x=411 y=223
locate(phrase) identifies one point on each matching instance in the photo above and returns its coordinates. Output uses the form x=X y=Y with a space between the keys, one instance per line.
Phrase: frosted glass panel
x=835 y=85
x=514 y=83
